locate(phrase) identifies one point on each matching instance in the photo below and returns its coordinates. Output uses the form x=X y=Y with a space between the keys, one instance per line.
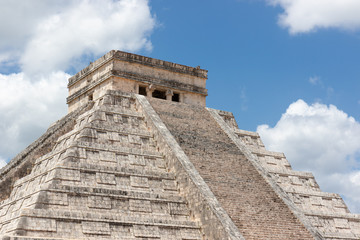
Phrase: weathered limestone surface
x=126 y=166
x=250 y=201
x=104 y=179
x=215 y=222
x=326 y=212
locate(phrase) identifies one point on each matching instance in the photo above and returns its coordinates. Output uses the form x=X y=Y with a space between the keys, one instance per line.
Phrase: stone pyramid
x=139 y=156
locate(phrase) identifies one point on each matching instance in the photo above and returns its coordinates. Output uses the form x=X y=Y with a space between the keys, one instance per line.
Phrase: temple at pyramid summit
x=140 y=156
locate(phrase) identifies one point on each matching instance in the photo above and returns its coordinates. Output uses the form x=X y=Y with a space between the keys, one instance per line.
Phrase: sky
x=288 y=69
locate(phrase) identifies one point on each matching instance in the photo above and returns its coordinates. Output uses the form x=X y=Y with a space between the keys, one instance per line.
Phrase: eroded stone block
x=105 y=178
x=99 y=202
x=98 y=228
x=178 y=209
x=146 y=231
x=139 y=205
x=37 y=224
x=140 y=182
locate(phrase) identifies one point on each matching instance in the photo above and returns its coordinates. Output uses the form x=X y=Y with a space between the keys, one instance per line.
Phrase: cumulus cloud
x=321 y=139
x=302 y=16
x=27 y=108
x=41 y=41
x=49 y=36
x=2 y=163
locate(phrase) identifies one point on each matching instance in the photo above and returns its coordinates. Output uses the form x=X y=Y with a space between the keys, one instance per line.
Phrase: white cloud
x=2 y=163
x=302 y=16
x=47 y=36
x=321 y=139
x=27 y=108
x=41 y=40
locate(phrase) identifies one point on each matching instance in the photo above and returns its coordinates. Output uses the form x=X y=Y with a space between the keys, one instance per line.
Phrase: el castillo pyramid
x=140 y=156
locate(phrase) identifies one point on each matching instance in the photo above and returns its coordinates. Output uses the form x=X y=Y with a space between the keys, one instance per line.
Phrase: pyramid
x=140 y=156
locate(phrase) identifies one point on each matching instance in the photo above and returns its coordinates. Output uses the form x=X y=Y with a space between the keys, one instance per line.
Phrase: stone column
x=149 y=90
x=169 y=94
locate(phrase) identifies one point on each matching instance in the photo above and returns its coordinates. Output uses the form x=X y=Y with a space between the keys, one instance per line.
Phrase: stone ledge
x=339 y=236
x=160 y=82
x=116 y=193
x=5 y=237
x=262 y=152
x=134 y=58
x=107 y=218
x=116 y=149
x=325 y=215
x=241 y=132
x=117 y=171
x=312 y=193
x=105 y=127
x=285 y=172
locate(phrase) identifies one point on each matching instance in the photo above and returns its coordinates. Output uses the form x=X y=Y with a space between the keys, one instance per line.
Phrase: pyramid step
x=263 y=152
x=308 y=192
x=116 y=193
x=125 y=170
x=339 y=235
x=116 y=149
x=107 y=218
x=104 y=127
x=329 y=215
x=96 y=223
x=286 y=173
x=72 y=171
x=96 y=198
x=99 y=112
x=7 y=237
x=111 y=127
x=105 y=152
x=249 y=138
x=57 y=195
x=241 y=132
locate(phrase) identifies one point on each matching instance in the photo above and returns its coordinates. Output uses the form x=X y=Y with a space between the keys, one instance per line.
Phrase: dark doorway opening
x=159 y=94
x=142 y=90
x=176 y=97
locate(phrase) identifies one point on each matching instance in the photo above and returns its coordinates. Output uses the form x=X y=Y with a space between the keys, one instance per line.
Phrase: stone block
x=93 y=155
x=178 y=209
x=105 y=178
x=139 y=205
x=69 y=229
x=96 y=228
x=169 y=185
x=99 y=202
x=37 y=224
x=160 y=208
x=341 y=223
x=137 y=160
x=67 y=174
x=107 y=156
x=122 y=158
x=135 y=139
x=139 y=182
x=146 y=231
x=190 y=234
x=54 y=198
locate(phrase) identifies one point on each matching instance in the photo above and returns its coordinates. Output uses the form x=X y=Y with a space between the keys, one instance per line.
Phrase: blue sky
x=287 y=69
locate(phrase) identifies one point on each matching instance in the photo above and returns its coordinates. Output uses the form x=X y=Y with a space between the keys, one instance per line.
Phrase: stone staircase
x=104 y=179
x=326 y=212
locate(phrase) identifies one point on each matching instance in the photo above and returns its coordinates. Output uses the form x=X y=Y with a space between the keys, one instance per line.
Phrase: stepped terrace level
x=133 y=73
